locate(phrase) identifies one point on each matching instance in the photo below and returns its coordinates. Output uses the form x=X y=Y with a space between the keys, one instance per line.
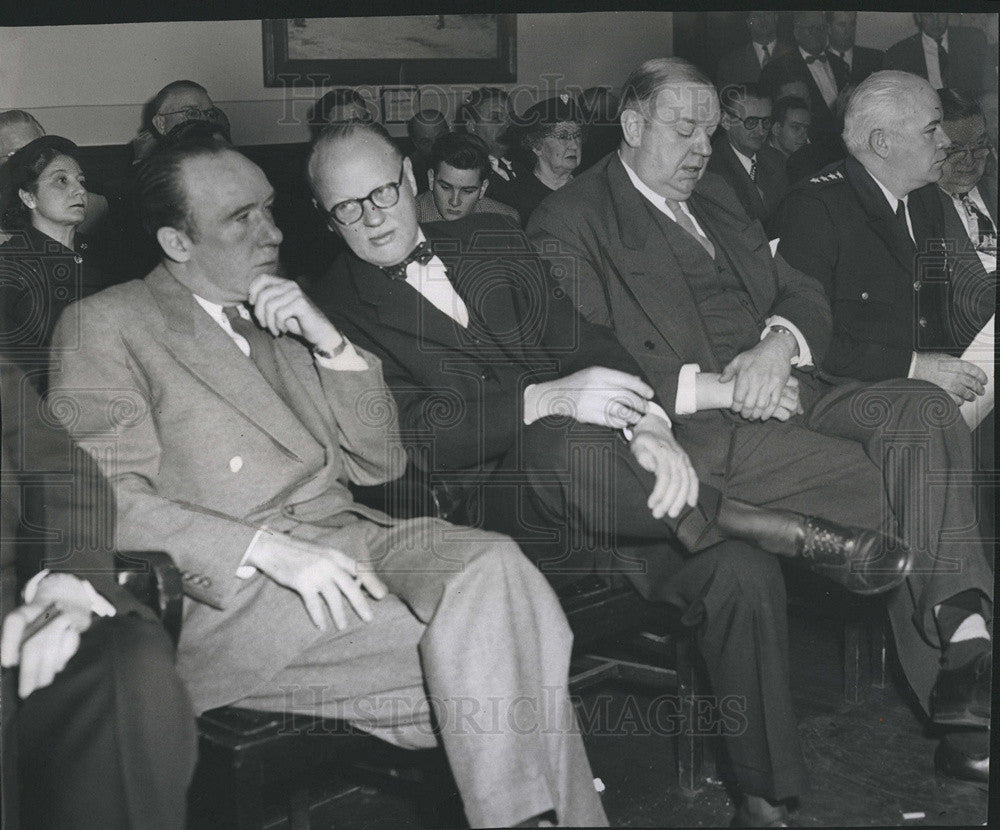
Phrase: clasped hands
x=758 y=383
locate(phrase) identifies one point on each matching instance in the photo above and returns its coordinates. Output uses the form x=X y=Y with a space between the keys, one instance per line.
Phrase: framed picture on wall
x=403 y=50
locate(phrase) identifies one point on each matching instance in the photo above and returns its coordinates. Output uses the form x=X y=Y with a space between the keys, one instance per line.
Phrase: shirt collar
x=654 y=197
x=215 y=309
x=930 y=43
x=892 y=200
x=806 y=55
x=846 y=55
x=747 y=160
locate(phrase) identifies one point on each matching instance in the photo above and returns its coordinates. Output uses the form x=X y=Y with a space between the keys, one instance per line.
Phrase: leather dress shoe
x=956 y=764
x=961 y=697
x=863 y=561
x=748 y=817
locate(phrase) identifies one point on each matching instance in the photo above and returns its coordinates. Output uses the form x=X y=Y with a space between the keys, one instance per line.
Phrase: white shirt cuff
x=347 y=361
x=98 y=604
x=804 y=357
x=243 y=570
x=532 y=416
x=686 y=402
x=913 y=365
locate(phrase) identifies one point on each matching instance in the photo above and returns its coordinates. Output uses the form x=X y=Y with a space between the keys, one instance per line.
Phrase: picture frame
x=399 y=51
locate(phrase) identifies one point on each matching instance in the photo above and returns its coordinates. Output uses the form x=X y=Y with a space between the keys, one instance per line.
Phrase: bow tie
x=422 y=254
x=814 y=58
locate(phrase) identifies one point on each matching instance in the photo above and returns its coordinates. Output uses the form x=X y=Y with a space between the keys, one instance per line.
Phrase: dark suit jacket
x=759 y=199
x=791 y=66
x=887 y=302
x=864 y=61
x=626 y=276
x=740 y=66
x=969 y=62
x=461 y=389
x=972 y=291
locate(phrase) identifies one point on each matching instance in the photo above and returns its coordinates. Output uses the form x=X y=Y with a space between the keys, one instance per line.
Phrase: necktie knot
x=422 y=254
x=753 y=170
x=813 y=58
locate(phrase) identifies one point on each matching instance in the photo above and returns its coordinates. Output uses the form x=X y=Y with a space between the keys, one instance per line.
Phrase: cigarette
x=49 y=615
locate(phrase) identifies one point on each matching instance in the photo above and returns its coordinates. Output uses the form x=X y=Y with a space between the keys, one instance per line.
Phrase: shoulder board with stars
x=827 y=178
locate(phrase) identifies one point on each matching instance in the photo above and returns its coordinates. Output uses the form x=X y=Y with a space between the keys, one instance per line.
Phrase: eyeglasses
x=979 y=150
x=197 y=114
x=752 y=122
x=567 y=137
x=351 y=210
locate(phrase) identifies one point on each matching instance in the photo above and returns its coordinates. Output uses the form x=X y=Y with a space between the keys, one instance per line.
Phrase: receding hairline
x=333 y=137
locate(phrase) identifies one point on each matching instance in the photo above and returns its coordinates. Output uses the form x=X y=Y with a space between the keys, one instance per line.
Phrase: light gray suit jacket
x=202 y=452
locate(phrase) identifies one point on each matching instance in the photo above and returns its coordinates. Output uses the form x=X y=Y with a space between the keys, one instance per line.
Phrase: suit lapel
x=748 y=188
x=881 y=219
x=730 y=231
x=199 y=344
x=652 y=272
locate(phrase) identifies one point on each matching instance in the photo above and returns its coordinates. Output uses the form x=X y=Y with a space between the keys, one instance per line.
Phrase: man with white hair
x=863 y=228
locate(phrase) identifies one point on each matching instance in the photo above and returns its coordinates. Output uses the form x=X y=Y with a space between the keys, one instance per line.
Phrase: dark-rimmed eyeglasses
x=351 y=210
x=193 y=113
x=979 y=150
x=752 y=122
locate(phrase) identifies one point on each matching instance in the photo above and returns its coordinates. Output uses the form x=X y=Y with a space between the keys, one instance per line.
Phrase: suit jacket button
x=289 y=509
x=649 y=344
x=916 y=285
x=864 y=295
x=922 y=322
x=235 y=464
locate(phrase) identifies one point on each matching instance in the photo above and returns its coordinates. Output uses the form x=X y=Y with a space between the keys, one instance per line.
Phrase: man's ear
x=632 y=126
x=159 y=122
x=408 y=174
x=878 y=142
x=174 y=243
x=28 y=198
x=483 y=187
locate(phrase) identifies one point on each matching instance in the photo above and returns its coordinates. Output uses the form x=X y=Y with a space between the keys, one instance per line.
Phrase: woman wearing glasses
x=45 y=263
x=551 y=134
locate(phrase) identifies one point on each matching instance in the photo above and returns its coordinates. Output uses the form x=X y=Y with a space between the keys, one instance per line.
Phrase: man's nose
x=455 y=199
x=271 y=233
x=372 y=216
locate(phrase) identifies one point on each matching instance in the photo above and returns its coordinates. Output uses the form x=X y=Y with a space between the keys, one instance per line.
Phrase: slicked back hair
x=160 y=191
x=878 y=103
x=648 y=79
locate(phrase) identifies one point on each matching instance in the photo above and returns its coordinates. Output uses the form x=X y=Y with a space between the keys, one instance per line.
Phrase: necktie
x=813 y=58
x=261 y=347
x=901 y=221
x=766 y=54
x=682 y=219
x=943 y=62
x=422 y=254
x=753 y=170
x=984 y=225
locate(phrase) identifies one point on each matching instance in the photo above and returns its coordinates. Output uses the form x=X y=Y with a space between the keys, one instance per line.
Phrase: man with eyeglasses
x=869 y=229
x=758 y=179
x=177 y=103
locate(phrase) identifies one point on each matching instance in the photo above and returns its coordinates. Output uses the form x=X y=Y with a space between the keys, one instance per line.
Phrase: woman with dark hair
x=45 y=264
x=551 y=134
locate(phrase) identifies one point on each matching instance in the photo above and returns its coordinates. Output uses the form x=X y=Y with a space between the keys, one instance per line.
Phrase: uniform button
x=483 y=376
x=289 y=510
x=922 y=322
x=649 y=344
x=235 y=464
x=916 y=285
x=864 y=295
x=83 y=246
x=78 y=259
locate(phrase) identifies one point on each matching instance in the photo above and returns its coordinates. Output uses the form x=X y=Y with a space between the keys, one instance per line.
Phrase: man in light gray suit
x=229 y=414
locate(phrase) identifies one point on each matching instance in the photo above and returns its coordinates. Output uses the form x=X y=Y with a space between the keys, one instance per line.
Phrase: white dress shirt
x=686 y=401
x=746 y=161
x=988 y=260
x=758 y=49
x=931 y=59
x=823 y=75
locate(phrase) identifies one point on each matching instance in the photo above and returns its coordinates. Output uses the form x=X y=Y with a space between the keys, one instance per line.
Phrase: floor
x=870 y=764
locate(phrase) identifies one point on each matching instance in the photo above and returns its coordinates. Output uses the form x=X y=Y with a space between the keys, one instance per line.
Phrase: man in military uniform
x=863 y=228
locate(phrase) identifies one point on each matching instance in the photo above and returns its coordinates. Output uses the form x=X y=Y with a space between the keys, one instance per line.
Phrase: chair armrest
x=153 y=579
